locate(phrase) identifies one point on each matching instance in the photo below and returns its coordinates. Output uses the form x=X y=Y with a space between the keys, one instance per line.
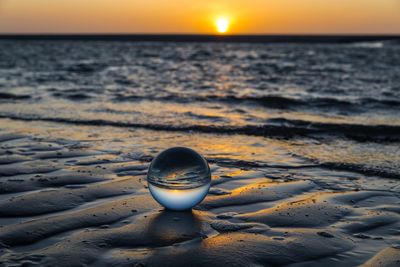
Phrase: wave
x=362 y=169
x=359 y=132
x=376 y=44
x=9 y=96
x=278 y=128
x=340 y=166
x=318 y=102
x=369 y=44
x=272 y=101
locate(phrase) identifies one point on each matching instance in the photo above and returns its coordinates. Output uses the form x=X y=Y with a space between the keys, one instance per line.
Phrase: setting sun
x=222 y=25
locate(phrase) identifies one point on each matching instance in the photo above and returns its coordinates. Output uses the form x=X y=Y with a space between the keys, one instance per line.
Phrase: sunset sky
x=200 y=17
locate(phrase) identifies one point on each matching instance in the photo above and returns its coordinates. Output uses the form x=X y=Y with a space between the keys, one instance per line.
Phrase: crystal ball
x=179 y=178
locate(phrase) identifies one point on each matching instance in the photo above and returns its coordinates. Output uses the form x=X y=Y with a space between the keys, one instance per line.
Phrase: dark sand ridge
x=28 y=183
x=258 y=192
x=42 y=202
x=90 y=206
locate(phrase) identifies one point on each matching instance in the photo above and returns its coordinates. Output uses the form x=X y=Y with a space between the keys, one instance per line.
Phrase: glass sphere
x=179 y=178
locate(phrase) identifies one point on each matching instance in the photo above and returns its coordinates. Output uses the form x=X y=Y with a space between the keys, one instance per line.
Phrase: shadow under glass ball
x=179 y=178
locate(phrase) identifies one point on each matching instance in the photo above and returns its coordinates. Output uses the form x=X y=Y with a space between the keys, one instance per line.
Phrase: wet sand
x=77 y=196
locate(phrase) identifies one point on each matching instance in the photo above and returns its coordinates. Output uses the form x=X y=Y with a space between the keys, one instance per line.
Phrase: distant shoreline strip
x=204 y=38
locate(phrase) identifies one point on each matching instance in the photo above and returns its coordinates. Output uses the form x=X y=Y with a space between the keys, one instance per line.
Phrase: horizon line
x=177 y=37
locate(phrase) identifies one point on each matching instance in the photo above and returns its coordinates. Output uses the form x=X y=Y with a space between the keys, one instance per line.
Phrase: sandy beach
x=301 y=176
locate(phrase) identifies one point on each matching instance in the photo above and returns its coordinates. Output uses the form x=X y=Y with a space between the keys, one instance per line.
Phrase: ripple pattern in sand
x=77 y=196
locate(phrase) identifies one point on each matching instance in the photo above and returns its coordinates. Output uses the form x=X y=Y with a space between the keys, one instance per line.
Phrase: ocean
x=340 y=101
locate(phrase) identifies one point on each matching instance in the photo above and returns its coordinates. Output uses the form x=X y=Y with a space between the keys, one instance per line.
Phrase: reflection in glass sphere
x=179 y=178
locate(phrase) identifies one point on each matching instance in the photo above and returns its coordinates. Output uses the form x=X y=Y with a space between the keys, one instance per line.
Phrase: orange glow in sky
x=182 y=16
